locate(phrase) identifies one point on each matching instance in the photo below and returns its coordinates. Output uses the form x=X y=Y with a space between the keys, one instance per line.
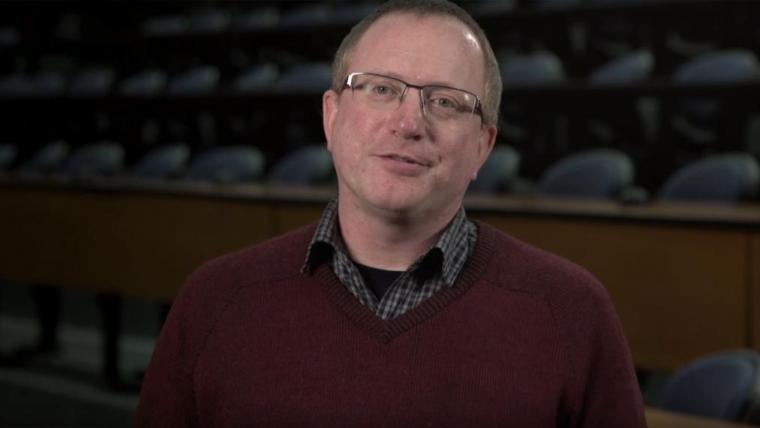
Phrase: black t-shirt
x=378 y=280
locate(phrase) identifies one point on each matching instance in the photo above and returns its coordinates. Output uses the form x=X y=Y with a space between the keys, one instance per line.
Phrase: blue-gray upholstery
x=95 y=159
x=625 y=124
x=92 y=82
x=498 y=171
x=227 y=164
x=556 y=4
x=209 y=21
x=144 y=83
x=525 y=124
x=598 y=173
x=49 y=158
x=719 y=67
x=8 y=154
x=166 y=25
x=257 y=77
x=304 y=15
x=631 y=68
x=197 y=80
x=539 y=68
x=720 y=386
x=163 y=162
x=706 y=120
x=42 y=83
x=257 y=18
x=311 y=164
x=351 y=13
x=315 y=76
x=727 y=177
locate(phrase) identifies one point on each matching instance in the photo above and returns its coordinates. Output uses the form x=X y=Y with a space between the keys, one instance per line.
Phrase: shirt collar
x=326 y=238
x=439 y=259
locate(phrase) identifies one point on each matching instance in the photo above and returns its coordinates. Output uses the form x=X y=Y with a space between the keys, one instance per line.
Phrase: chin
x=401 y=203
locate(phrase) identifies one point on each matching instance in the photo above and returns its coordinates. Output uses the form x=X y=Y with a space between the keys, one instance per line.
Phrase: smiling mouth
x=406 y=159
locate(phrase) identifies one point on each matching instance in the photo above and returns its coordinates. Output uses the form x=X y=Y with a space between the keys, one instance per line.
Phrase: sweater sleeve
x=167 y=398
x=605 y=389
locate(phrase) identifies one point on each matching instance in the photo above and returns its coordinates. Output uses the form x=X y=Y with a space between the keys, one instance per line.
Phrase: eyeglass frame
x=477 y=108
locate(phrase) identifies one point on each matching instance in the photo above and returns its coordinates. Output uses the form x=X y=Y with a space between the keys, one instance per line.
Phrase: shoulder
x=522 y=267
x=272 y=260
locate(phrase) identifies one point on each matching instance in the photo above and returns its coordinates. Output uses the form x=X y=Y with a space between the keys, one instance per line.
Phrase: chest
x=308 y=364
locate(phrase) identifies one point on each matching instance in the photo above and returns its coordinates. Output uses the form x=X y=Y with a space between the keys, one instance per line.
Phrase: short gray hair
x=491 y=98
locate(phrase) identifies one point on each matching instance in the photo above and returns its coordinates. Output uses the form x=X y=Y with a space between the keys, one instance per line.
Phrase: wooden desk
x=685 y=278
x=657 y=418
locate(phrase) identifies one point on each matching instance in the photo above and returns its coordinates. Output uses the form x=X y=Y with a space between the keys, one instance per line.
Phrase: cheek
x=348 y=146
x=462 y=159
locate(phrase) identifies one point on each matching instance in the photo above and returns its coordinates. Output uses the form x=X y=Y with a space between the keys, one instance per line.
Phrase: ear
x=486 y=141
x=329 y=112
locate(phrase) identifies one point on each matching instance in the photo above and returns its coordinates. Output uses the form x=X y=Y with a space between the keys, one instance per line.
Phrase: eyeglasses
x=439 y=102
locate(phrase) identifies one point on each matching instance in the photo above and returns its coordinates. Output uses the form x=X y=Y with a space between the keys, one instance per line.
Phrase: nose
x=409 y=118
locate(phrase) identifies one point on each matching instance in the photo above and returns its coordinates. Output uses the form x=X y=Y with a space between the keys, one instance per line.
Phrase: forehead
x=430 y=49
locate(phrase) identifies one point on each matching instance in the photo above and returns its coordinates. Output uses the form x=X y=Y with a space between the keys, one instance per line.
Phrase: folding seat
x=626 y=123
x=230 y=164
x=309 y=164
x=8 y=154
x=597 y=174
x=697 y=123
x=209 y=21
x=312 y=76
x=197 y=80
x=149 y=82
x=256 y=78
x=92 y=82
x=96 y=159
x=536 y=129
x=304 y=15
x=721 y=386
x=163 y=162
x=45 y=160
x=727 y=177
x=498 y=172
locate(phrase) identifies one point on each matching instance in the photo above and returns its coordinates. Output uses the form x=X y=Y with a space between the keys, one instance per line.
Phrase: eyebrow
x=403 y=79
x=444 y=84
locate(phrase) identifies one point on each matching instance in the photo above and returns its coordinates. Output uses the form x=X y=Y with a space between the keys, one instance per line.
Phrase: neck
x=389 y=240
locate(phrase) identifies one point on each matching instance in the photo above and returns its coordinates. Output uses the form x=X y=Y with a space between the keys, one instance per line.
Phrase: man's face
x=399 y=161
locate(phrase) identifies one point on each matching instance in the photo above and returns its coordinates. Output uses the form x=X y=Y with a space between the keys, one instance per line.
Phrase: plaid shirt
x=437 y=268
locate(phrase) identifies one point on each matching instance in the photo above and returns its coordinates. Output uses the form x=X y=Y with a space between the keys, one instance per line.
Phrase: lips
x=408 y=159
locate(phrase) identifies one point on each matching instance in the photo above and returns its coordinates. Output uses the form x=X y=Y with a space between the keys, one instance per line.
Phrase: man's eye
x=382 y=90
x=446 y=103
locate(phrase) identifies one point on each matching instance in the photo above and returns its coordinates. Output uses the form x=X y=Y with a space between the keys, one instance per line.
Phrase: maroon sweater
x=523 y=339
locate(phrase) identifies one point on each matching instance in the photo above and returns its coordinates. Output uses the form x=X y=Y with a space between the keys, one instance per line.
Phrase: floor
x=65 y=389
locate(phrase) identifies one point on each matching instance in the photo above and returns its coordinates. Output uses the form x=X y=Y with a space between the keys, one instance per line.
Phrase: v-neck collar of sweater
x=386 y=330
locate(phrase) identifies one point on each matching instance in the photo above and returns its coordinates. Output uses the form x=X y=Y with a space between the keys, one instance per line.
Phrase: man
x=395 y=310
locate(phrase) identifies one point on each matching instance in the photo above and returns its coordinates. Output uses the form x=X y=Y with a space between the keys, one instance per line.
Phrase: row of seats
x=317 y=14
x=724 y=386
x=287 y=15
x=610 y=174
x=518 y=70
x=599 y=173
x=720 y=66
x=257 y=18
x=310 y=164
x=102 y=81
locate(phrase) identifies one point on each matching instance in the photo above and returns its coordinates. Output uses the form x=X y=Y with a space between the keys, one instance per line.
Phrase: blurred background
x=615 y=100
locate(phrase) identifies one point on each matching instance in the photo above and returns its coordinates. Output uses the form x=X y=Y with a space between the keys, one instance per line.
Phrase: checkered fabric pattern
x=437 y=268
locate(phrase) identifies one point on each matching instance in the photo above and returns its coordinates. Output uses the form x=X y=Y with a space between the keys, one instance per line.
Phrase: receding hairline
x=424 y=9
x=469 y=37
